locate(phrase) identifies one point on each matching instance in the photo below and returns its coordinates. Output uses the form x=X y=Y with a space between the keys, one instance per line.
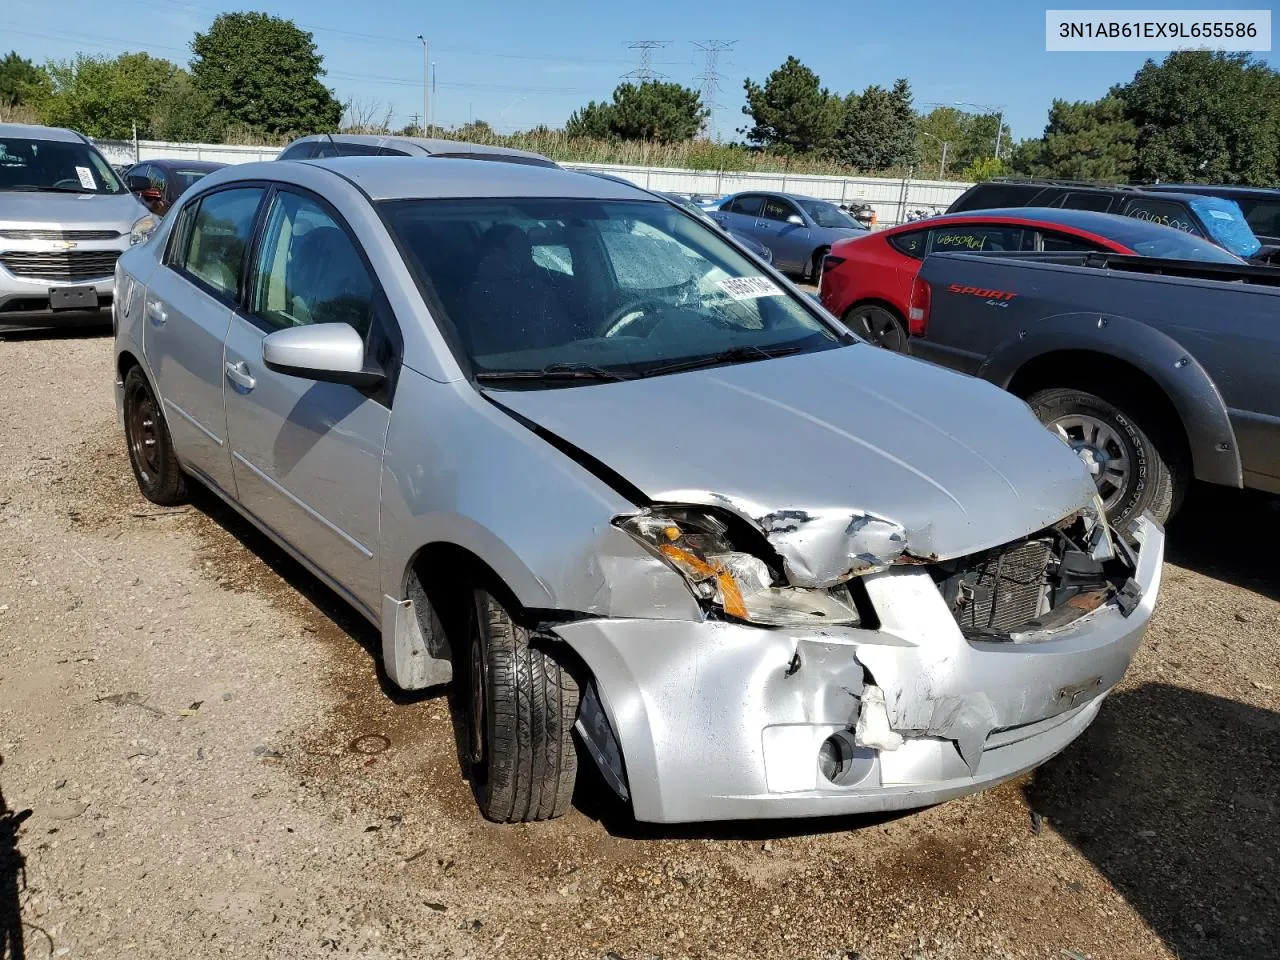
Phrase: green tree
x=792 y=111
x=1083 y=141
x=666 y=112
x=187 y=113
x=1205 y=116
x=878 y=130
x=19 y=79
x=263 y=72
x=105 y=98
x=969 y=137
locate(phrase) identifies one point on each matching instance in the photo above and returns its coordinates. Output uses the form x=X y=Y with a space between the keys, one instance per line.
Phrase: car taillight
x=830 y=261
x=918 y=308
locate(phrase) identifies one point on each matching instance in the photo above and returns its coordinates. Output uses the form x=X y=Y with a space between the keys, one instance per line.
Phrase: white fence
x=893 y=200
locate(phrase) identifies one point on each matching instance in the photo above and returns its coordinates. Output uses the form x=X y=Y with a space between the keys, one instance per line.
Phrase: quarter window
x=309 y=270
x=220 y=235
x=1101 y=202
x=1065 y=243
x=913 y=244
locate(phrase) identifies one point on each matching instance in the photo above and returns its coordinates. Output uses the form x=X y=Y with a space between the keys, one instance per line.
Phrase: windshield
x=1169 y=243
x=624 y=287
x=1225 y=223
x=55 y=165
x=829 y=215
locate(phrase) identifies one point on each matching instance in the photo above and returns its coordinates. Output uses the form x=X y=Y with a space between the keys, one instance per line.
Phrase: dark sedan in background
x=158 y=183
x=799 y=231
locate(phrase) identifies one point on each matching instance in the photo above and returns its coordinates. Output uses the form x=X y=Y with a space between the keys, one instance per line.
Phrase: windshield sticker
x=86 y=178
x=748 y=288
x=1220 y=215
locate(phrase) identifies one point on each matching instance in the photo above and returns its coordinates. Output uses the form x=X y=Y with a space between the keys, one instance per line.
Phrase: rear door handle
x=238 y=373
x=156 y=311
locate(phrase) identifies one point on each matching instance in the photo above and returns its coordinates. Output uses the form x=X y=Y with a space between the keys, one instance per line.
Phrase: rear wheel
x=1134 y=462
x=878 y=326
x=151 y=454
x=522 y=704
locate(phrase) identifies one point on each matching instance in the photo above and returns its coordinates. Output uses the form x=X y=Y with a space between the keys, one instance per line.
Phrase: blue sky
x=515 y=64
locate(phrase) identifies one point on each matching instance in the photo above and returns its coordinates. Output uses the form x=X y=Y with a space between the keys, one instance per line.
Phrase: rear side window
x=1066 y=243
x=976 y=238
x=1263 y=216
x=750 y=206
x=392 y=152
x=1164 y=212
x=219 y=236
x=913 y=244
x=357 y=150
x=1076 y=200
x=298 y=151
x=990 y=196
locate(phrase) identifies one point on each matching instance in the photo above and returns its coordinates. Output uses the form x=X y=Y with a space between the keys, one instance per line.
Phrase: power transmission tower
x=710 y=78
x=645 y=72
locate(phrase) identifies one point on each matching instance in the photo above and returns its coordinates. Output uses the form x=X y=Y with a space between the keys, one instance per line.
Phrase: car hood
x=839 y=457
x=71 y=211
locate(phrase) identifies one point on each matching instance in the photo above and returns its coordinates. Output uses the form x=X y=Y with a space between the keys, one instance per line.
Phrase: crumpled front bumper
x=720 y=720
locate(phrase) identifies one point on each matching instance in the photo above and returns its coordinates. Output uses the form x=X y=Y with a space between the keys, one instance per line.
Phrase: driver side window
x=780 y=210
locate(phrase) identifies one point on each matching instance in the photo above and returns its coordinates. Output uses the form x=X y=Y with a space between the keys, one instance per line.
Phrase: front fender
x=1214 y=455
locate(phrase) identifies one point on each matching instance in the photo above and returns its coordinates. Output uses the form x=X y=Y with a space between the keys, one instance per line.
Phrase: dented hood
x=806 y=447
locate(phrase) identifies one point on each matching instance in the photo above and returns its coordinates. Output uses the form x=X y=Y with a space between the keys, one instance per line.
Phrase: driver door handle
x=238 y=373
x=156 y=311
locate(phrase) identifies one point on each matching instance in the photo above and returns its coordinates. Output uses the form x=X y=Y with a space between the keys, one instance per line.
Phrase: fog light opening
x=842 y=762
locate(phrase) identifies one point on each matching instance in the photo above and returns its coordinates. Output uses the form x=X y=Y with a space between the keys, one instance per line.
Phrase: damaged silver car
x=573 y=451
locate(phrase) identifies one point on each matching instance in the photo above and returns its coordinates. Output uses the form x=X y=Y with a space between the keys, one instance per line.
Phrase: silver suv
x=323 y=146
x=65 y=218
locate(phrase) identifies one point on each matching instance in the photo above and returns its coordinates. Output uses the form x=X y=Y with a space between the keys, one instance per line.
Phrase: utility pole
x=426 y=105
x=942 y=167
x=710 y=78
x=645 y=72
x=998 y=108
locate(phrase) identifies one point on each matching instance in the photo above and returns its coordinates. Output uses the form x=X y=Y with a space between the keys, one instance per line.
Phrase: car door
x=741 y=213
x=307 y=455
x=778 y=230
x=188 y=307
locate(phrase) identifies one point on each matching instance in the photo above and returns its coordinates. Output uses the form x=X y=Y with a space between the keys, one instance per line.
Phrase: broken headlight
x=697 y=546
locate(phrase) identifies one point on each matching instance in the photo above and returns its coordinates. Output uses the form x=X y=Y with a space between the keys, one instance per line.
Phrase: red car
x=866 y=281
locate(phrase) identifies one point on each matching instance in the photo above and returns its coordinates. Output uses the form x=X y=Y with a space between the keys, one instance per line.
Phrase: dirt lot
x=214 y=768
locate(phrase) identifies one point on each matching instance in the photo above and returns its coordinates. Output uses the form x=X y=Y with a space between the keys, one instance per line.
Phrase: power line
x=710 y=78
x=645 y=72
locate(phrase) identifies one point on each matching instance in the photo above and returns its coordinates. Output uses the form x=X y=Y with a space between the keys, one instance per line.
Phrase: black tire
x=815 y=264
x=155 y=465
x=521 y=755
x=877 y=325
x=1155 y=477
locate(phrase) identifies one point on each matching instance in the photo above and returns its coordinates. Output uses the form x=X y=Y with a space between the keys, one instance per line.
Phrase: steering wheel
x=628 y=314
x=67 y=182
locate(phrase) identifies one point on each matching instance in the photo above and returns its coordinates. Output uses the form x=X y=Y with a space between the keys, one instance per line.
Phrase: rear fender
x=1184 y=381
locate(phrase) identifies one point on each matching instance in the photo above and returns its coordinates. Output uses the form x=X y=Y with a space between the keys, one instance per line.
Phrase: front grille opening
x=75 y=265
x=1041 y=582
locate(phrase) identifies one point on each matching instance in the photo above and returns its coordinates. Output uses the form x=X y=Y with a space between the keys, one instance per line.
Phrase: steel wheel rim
x=1100 y=447
x=144 y=432
x=879 y=328
x=476 y=712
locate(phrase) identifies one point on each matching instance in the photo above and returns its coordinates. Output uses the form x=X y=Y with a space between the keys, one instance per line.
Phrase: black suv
x=1261 y=205
x=1171 y=206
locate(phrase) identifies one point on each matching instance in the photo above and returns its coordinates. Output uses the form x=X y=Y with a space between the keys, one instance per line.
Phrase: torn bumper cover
x=721 y=720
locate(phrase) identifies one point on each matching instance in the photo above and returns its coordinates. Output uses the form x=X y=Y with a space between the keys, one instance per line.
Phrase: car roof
x=33 y=131
x=776 y=193
x=403 y=178
x=1213 y=189
x=429 y=145
x=206 y=165
x=1085 y=221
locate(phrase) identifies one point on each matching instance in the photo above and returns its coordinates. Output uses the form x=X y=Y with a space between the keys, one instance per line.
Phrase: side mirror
x=137 y=184
x=331 y=352
x=796 y=220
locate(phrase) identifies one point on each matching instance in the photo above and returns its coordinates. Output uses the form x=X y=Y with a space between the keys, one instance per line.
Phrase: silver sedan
x=568 y=448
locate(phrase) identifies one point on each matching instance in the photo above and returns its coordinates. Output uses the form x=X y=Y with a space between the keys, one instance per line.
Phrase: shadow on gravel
x=90 y=331
x=1174 y=796
x=12 y=880
x=1229 y=535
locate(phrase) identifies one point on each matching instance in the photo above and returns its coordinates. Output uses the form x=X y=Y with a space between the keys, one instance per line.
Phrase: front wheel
x=1132 y=471
x=522 y=704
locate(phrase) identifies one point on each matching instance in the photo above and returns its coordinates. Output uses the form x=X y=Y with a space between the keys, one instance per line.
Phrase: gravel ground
x=214 y=767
